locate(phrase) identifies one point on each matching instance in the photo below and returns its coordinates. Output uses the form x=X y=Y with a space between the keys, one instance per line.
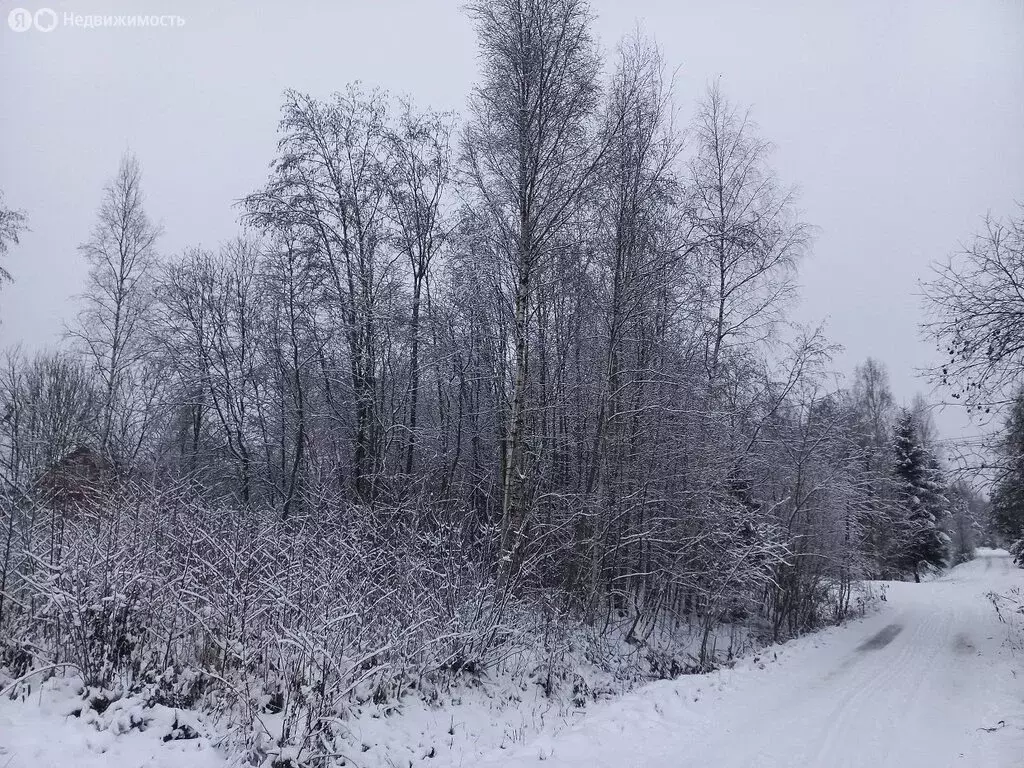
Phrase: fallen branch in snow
x=996 y=727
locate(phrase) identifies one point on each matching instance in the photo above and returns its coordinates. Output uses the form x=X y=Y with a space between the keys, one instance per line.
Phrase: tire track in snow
x=885 y=671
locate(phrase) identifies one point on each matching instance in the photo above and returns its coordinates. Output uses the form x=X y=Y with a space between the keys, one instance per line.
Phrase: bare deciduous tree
x=419 y=177
x=530 y=154
x=749 y=235
x=975 y=305
x=120 y=253
x=12 y=223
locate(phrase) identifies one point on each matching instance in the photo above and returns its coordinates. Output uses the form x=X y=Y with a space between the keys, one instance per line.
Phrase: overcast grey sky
x=902 y=123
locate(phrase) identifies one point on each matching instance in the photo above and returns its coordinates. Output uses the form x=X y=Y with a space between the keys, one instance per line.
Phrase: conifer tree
x=921 y=496
x=1008 y=494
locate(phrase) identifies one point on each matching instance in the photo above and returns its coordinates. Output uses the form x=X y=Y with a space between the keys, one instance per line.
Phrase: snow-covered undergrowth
x=355 y=636
x=448 y=718
x=1009 y=607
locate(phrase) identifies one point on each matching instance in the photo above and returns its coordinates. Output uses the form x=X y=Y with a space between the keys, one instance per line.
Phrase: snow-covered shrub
x=99 y=601
x=1017 y=550
x=15 y=659
x=92 y=610
x=277 y=627
x=281 y=629
x=1009 y=607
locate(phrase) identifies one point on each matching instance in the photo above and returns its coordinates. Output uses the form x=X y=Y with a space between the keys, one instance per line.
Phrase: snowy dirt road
x=932 y=680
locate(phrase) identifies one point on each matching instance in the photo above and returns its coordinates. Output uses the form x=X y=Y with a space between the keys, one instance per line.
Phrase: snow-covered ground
x=933 y=679
x=41 y=732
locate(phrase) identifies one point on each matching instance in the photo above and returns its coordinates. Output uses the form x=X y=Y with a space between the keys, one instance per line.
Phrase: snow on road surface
x=932 y=680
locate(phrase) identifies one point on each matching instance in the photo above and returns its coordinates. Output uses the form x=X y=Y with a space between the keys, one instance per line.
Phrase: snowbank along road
x=934 y=679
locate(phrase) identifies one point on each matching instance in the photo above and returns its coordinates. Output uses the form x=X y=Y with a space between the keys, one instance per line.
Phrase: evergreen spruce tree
x=936 y=495
x=1008 y=494
x=921 y=498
